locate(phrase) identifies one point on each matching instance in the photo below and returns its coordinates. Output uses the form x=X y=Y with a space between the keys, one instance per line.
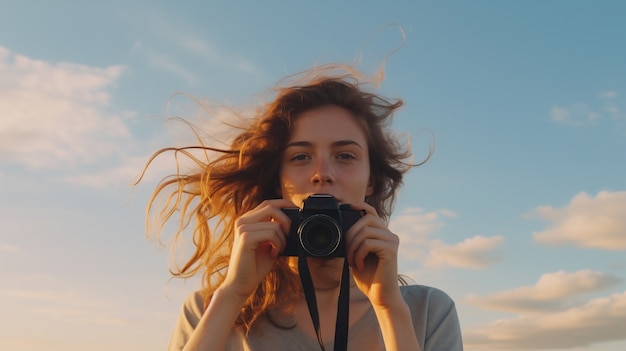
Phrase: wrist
x=387 y=299
x=228 y=293
x=397 y=326
x=397 y=307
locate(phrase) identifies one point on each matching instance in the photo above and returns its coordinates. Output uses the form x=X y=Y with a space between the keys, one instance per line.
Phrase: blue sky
x=520 y=215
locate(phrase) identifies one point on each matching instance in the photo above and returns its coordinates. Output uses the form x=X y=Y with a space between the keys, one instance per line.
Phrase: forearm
x=216 y=323
x=397 y=327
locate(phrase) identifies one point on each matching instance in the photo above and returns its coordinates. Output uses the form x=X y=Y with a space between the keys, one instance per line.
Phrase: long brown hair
x=220 y=190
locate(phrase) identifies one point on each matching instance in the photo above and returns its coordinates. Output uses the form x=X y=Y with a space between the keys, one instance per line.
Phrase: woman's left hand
x=372 y=252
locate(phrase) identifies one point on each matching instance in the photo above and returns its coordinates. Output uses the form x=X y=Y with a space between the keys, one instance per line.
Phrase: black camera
x=319 y=227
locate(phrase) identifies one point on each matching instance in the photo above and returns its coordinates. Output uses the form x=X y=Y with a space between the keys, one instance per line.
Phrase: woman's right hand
x=260 y=237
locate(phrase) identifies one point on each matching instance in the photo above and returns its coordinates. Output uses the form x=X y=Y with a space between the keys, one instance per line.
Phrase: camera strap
x=343 y=303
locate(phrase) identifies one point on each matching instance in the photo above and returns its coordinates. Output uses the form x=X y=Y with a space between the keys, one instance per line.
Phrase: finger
x=366 y=227
x=358 y=239
x=253 y=234
x=269 y=210
x=381 y=249
x=365 y=222
x=282 y=219
x=269 y=248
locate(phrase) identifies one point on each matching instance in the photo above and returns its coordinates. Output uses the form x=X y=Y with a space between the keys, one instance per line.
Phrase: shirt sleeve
x=188 y=319
x=435 y=319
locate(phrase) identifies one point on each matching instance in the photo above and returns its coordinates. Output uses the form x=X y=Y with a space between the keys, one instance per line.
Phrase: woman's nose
x=323 y=173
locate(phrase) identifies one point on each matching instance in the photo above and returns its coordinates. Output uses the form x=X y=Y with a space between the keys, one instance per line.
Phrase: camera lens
x=319 y=235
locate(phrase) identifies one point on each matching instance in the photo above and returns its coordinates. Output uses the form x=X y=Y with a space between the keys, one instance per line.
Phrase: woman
x=324 y=136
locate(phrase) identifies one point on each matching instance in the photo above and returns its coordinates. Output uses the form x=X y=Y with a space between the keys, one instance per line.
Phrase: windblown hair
x=242 y=176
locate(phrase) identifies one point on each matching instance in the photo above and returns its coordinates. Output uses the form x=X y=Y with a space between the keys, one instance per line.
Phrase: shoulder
x=195 y=299
x=192 y=310
x=193 y=306
x=434 y=317
x=422 y=293
x=188 y=318
x=428 y=302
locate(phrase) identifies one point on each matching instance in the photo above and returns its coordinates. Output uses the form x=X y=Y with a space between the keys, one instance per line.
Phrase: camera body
x=319 y=227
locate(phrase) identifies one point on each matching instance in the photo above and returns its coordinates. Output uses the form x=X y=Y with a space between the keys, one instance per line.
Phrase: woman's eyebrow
x=334 y=144
x=347 y=143
x=299 y=143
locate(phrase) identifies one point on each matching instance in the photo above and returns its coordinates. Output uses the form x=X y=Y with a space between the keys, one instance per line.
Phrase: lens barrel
x=320 y=235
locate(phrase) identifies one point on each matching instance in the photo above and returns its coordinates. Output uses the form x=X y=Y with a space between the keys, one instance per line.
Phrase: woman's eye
x=299 y=157
x=346 y=156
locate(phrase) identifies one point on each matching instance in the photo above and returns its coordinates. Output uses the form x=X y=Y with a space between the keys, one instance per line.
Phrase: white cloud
x=212 y=53
x=590 y=222
x=478 y=252
x=123 y=174
x=552 y=292
x=613 y=105
x=55 y=115
x=611 y=94
x=203 y=123
x=216 y=126
x=577 y=114
x=599 y=320
x=608 y=108
x=169 y=64
x=187 y=40
x=414 y=225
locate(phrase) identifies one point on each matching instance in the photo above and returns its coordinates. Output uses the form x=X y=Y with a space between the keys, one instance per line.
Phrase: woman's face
x=326 y=154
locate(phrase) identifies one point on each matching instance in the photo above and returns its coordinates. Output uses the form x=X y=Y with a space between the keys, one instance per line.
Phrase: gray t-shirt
x=433 y=313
